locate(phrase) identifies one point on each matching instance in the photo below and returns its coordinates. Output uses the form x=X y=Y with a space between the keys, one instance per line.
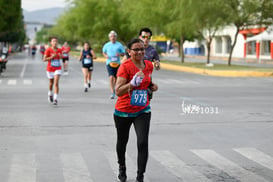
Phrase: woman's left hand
x=154 y=87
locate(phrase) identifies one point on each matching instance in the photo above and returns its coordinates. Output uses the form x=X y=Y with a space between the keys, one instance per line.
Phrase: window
x=265 y=49
x=228 y=45
x=251 y=48
x=218 y=45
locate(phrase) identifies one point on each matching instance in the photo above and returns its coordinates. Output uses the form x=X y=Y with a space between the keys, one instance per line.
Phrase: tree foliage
x=11 y=18
x=92 y=20
x=244 y=13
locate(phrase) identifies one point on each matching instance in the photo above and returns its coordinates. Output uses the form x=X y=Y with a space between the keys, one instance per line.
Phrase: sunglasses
x=138 y=49
x=146 y=36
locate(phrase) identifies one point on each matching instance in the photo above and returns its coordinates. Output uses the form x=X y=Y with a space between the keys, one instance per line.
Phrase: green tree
x=11 y=26
x=209 y=17
x=180 y=22
x=92 y=20
x=245 y=13
x=43 y=35
x=171 y=18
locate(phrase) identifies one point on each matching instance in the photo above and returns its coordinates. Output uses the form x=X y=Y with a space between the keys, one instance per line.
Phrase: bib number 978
x=139 y=98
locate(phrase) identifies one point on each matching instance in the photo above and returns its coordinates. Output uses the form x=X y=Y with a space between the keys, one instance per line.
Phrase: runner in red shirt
x=65 y=49
x=42 y=50
x=53 y=55
x=132 y=106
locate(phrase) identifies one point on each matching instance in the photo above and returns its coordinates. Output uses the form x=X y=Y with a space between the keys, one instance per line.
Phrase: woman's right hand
x=137 y=79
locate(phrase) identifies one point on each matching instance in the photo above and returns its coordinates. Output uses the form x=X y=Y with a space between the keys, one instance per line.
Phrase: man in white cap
x=112 y=50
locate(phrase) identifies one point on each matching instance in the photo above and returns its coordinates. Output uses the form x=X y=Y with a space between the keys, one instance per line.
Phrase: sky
x=32 y=5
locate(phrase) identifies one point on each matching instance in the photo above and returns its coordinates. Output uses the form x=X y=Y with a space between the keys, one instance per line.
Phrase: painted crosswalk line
x=130 y=165
x=227 y=166
x=177 y=167
x=12 y=82
x=27 y=82
x=256 y=156
x=74 y=168
x=23 y=168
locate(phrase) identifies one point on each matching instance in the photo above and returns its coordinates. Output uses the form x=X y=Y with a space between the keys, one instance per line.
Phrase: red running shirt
x=65 y=51
x=127 y=70
x=49 y=51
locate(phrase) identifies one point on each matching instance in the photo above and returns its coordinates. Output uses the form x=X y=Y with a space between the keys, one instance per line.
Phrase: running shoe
x=55 y=102
x=140 y=178
x=89 y=85
x=122 y=174
x=50 y=98
x=112 y=96
x=85 y=90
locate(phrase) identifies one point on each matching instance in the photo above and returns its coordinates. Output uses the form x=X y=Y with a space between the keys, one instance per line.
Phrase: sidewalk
x=217 y=60
x=220 y=60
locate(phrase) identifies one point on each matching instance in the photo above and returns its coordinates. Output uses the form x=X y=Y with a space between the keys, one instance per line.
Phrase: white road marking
x=74 y=168
x=131 y=168
x=23 y=168
x=177 y=167
x=12 y=82
x=24 y=69
x=228 y=166
x=27 y=82
x=257 y=156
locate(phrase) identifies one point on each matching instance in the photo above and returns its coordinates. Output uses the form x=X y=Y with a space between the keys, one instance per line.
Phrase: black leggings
x=142 y=126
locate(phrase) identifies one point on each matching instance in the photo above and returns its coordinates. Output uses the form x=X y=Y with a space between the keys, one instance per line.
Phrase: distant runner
x=65 y=49
x=112 y=50
x=86 y=57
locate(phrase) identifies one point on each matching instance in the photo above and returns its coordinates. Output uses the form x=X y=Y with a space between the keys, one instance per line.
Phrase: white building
x=249 y=44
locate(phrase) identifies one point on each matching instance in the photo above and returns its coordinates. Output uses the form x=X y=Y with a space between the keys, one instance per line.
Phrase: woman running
x=133 y=106
x=86 y=57
x=53 y=55
x=66 y=50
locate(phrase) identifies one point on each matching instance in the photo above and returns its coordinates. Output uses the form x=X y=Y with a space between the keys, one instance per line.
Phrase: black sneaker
x=50 y=99
x=55 y=102
x=89 y=85
x=122 y=174
x=85 y=90
x=140 y=178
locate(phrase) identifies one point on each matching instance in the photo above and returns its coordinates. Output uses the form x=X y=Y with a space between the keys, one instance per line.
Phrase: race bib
x=87 y=61
x=139 y=98
x=65 y=55
x=114 y=59
x=55 y=63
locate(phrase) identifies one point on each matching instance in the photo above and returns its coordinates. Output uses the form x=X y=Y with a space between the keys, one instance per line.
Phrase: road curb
x=220 y=73
x=216 y=72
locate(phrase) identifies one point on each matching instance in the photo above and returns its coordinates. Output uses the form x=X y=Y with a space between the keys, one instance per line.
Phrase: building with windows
x=252 y=43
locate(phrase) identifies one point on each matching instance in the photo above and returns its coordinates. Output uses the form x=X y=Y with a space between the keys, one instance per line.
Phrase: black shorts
x=112 y=71
x=88 y=66
x=65 y=59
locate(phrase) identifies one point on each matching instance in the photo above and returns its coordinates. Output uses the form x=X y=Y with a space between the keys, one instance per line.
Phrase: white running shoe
x=50 y=98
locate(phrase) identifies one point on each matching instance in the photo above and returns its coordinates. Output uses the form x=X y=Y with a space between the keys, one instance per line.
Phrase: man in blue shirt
x=112 y=50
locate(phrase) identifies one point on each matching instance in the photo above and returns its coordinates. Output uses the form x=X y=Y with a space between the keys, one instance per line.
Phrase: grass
x=224 y=67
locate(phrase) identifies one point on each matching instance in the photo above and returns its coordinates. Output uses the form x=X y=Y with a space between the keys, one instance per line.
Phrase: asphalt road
x=203 y=128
